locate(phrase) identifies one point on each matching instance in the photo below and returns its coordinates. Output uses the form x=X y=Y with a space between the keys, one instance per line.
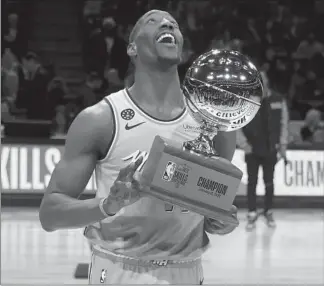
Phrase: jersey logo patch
x=127 y=114
x=129 y=127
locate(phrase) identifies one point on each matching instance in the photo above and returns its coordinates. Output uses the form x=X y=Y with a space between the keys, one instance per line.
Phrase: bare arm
x=60 y=208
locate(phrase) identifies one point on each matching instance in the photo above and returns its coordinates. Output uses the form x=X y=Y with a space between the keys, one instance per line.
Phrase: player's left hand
x=282 y=152
x=213 y=226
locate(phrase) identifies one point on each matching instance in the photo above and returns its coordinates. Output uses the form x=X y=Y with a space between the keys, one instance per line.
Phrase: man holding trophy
x=162 y=160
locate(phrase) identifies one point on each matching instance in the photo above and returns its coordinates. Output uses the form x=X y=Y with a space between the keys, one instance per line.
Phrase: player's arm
x=225 y=145
x=60 y=208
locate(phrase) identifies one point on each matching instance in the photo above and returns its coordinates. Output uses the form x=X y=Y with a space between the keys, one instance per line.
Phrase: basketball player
x=135 y=239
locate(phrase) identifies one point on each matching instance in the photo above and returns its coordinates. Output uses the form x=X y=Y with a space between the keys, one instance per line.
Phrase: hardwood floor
x=292 y=253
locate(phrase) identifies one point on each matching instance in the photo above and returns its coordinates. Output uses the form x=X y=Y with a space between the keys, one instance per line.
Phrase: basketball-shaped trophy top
x=224 y=89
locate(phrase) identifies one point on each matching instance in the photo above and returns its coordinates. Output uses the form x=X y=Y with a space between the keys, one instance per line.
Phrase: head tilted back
x=139 y=23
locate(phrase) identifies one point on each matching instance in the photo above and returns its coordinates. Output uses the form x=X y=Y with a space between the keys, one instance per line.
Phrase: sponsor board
x=27 y=169
x=302 y=176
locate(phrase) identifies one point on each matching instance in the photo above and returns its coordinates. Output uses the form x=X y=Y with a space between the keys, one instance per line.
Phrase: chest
x=137 y=136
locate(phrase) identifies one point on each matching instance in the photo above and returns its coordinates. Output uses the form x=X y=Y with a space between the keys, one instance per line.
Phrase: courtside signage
x=27 y=169
x=302 y=176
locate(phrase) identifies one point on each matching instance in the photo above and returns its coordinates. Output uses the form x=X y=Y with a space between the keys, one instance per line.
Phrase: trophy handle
x=203 y=144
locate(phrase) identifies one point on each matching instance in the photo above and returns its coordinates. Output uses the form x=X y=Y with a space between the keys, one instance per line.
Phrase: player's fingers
x=114 y=188
x=135 y=196
x=131 y=196
x=131 y=169
x=216 y=223
x=135 y=184
x=122 y=174
x=233 y=210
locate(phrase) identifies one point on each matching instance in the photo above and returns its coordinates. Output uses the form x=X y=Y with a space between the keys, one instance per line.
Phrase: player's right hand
x=125 y=190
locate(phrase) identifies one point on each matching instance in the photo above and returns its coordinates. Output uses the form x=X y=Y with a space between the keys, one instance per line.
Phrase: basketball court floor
x=293 y=253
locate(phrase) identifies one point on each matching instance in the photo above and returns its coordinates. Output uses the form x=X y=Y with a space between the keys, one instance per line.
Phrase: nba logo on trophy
x=169 y=171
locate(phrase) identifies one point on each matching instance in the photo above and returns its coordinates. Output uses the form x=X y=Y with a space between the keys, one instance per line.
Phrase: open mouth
x=166 y=38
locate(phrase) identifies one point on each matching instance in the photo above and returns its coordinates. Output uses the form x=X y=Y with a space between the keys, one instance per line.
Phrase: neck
x=157 y=90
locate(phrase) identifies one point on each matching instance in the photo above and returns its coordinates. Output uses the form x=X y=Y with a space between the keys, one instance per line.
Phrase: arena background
x=78 y=48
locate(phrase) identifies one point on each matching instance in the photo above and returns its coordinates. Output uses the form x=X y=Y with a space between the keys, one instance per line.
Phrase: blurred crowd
x=283 y=38
x=30 y=87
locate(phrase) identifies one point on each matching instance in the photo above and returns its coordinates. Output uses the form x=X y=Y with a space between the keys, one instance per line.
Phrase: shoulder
x=92 y=129
x=97 y=116
x=101 y=113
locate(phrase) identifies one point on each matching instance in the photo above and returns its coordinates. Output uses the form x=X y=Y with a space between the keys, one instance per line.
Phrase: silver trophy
x=223 y=92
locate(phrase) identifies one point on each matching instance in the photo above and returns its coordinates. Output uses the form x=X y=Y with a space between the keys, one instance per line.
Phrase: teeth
x=166 y=35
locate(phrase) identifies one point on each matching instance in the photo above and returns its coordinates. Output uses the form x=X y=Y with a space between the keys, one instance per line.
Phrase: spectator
x=313 y=129
x=56 y=92
x=272 y=37
x=95 y=52
x=93 y=90
x=11 y=48
x=15 y=36
x=21 y=100
x=116 y=49
x=10 y=82
x=7 y=95
x=11 y=37
x=60 y=120
x=309 y=48
x=35 y=91
x=263 y=139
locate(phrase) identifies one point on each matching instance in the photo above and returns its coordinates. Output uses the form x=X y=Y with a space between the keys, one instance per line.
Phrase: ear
x=132 y=50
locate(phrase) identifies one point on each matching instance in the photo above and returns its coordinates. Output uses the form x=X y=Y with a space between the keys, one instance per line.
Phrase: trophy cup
x=223 y=92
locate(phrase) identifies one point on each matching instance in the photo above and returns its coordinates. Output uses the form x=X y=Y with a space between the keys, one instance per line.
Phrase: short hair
x=139 y=23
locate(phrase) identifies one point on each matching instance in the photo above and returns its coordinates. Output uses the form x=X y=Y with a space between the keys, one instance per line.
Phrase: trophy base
x=197 y=146
x=204 y=143
x=191 y=205
x=191 y=180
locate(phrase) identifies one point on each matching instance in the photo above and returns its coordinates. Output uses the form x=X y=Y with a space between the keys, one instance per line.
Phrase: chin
x=169 y=61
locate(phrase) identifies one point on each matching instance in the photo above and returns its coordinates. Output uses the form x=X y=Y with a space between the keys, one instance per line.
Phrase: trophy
x=223 y=92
